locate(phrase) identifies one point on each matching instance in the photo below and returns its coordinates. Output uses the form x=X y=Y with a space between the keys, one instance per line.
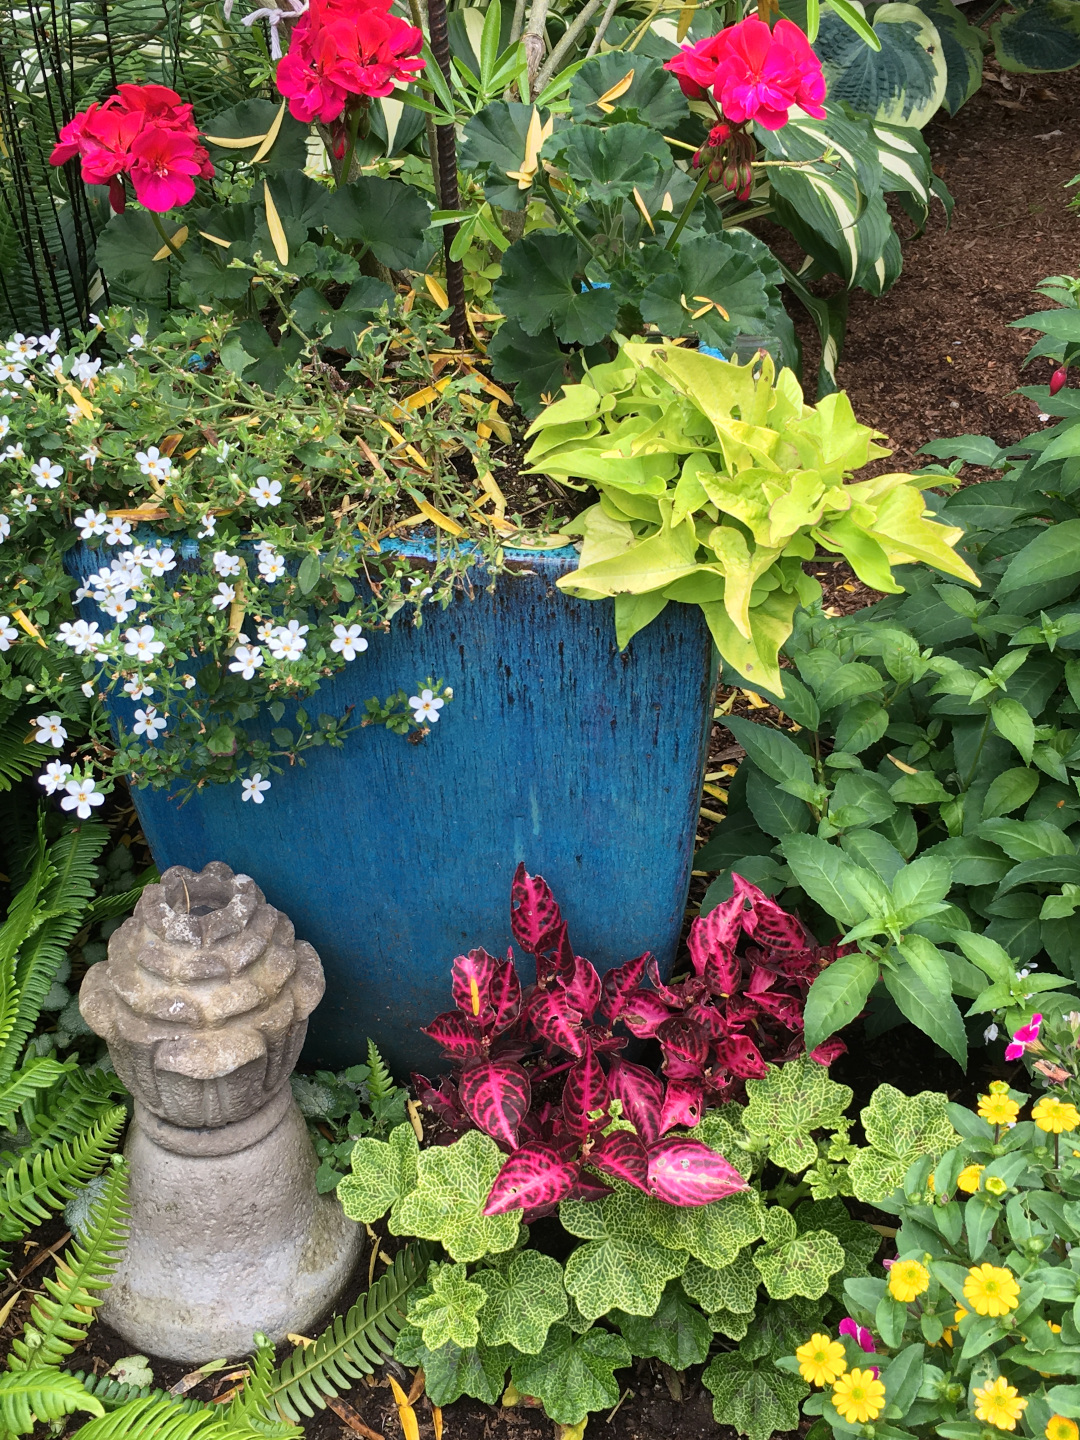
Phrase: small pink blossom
x=1025 y=1036
x=859 y=1334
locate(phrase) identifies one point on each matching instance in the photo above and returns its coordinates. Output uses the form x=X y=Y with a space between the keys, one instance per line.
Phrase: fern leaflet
x=65 y=1113
x=380 y=1082
x=40 y=1394
x=163 y=1418
x=39 y=1074
x=40 y=1184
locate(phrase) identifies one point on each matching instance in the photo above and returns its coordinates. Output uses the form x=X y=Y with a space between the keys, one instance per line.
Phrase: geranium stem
x=161 y=231
x=703 y=180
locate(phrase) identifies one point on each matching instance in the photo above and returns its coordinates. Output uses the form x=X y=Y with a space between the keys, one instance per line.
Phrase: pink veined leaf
x=723 y=974
x=533 y=1177
x=443 y=1101
x=585 y=1091
x=603 y=1043
x=619 y=983
x=829 y=1050
x=644 y=1013
x=717 y=933
x=773 y=928
x=686 y=1172
x=534 y=912
x=676 y=996
x=685 y=1046
x=470 y=983
x=622 y=1156
x=458 y=1036
x=740 y=1055
x=587 y=1189
x=684 y=1103
x=557 y=1021
x=582 y=988
x=496 y=1096
x=504 y=997
x=785 y=1008
x=641 y=1095
x=709 y=1018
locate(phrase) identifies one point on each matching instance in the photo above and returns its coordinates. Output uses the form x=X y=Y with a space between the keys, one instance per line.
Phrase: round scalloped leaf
x=256 y=117
x=382 y=1172
x=1041 y=38
x=493 y=143
x=716 y=292
x=677 y=1334
x=451 y=1372
x=609 y=163
x=734 y=1288
x=573 y=1374
x=622 y=1266
x=788 y=1105
x=650 y=98
x=536 y=365
x=447 y=1314
x=903 y=82
x=525 y=1295
x=713 y=1234
x=757 y=1400
x=386 y=215
x=800 y=1266
x=452 y=1186
x=541 y=287
x=729 y=1323
x=961 y=45
x=899 y=1128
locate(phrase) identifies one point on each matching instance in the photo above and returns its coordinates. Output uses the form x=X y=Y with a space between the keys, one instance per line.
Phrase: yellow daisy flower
x=1055 y=1115
x=999 y=1403
x=998 y=1109
x=859 y=1396
x=991 y=1289
x=960 y=1313
x=1059 y=1428
x=999 y=1087
x=968 y=1179
x=821 y=1360
x=907 y=1280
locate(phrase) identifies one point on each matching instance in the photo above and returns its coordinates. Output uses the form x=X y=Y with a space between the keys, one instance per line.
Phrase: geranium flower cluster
x=340 y=49
x=753 y=73
x=145 y=131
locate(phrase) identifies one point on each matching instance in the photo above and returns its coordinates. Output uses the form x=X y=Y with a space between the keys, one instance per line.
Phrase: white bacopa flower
x=142 y=644
x=9 y=370
x=425 y=707
x=21 y=348
x=73 y=413
x=247 y=660
x=47 y=343
x=271 y=567
x=990 y=1033
x=263 y=547
x=5 y=527
x=415 y=581
x=265 y=492
x=265 y=631
x=209 y=525
x=226 y=594
x=25 y=503
x=137 y=343
x=118 y=606
x=90 y=455
x=47 y=475
x=91 y=522
x=189 y=682
x=8 y=633
x=81 y=797
x=223 y=452
x=151 y=462
x=84 y=369
x=254 y=788
x=88 y=689
x=5 y=426
x=14 y=452
x=117 y=532
x=81 y=636
x=92 y=319
x=287 y=641
x=54 y=777
x=160 y=562
x=56 y=365
x=226 y=564
x=349 y=641
x=149 y=723
x=139 y=689
x=50 y=731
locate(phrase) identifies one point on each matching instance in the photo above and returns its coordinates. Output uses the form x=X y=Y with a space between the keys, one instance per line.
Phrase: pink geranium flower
x=1027 y=1035
x=341 y=48
x=754 y=72
x=164 y=167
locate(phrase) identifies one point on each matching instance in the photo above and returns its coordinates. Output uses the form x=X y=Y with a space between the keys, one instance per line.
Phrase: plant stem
x=699 y=188
x=566 y=44
x=534 y=40
x=601 y=29
x=429 y=125
x=565 y=217
x=517 y=22
x=156 y=218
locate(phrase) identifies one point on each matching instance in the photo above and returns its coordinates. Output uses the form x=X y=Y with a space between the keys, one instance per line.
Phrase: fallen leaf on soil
x=344 y=1411
x=409 y=1423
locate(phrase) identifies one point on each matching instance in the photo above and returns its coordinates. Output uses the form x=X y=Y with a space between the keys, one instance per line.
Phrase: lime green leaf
x=622 y=1265
x=785 y=1108
x=573 y=1374
x=899 y=1129
x=525 y=1295
x=452 y=1186
x=382 y=1172
x=758 y=1400
x=449 y=1310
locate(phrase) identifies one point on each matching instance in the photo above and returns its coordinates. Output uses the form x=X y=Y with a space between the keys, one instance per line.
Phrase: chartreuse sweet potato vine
x=716 y=482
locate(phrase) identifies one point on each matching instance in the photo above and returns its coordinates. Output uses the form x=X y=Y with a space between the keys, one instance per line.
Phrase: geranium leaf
x=525 y=1295
x=386 y=215
x=757 y=1400
x=541 y=285
x=677 y=1334
x=453 y=1183
x=651 y=99
x=609 y=163
x=622 y=1266
x=449 y=1310
x=573 y=1374
x=382 y=1172
x=708 y=270
x=537 y=366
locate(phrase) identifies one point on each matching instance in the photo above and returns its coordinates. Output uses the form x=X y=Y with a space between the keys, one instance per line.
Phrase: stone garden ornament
x=204 y=1002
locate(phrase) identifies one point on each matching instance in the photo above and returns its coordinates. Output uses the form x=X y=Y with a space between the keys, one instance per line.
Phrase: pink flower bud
x=1058 y=379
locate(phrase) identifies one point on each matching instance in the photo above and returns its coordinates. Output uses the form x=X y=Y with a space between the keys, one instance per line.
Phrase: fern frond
x=164 y=1418
x=380 y=1082
x=58 y=1323
x=40 y=1074
x=114 y=1393
x=66 y=1112
x=16 y=757
x=23 y=917
x=350 y=1346
x=41 y=1394
x=43 y=1183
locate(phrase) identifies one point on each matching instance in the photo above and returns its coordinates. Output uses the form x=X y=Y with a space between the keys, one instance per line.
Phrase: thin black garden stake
x=446 y=142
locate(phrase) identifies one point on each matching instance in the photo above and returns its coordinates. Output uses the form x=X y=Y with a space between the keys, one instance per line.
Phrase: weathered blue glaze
x=392 y=858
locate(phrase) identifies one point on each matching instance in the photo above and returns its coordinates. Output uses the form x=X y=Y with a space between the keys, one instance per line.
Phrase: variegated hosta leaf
x=450 y=1371
x=713 y=1234
x=903 y=82
x=792 y=1264
x=757 y=1400
x=1038 y=38
x=899 y=1128
x=677 y=1334
x=961 y=45
x=622 y=1266
x=573 y=1374
x=905 y=164
x=791 y=1103
x=859 y=1241
x=733 y=1288
x=383 y=1171
x=449 y=1310
x=452 y=1186
x=525 y=1295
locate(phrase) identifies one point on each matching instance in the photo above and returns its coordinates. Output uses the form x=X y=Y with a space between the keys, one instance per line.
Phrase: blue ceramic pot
x=391 y=858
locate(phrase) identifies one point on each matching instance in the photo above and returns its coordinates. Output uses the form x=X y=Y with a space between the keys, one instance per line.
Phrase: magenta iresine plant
x=538 y=1069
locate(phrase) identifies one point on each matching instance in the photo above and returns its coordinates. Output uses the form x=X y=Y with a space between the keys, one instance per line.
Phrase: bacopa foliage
x=538 y=1068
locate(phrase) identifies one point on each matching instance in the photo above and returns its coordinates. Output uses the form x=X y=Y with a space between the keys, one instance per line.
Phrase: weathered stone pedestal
x=204 y=1003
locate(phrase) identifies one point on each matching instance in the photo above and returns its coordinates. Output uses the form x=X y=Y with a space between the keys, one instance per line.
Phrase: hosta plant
x=717 y=481
x=974 y=1328
x=538 y=1068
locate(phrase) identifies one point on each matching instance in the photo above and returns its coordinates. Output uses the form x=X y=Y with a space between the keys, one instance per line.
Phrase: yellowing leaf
x=436 y=517
x=534 y=143
x=620 y=87
x=271 y=135
x=436 y=1420
x=28 y=625
x=177 y=240
x=216 y=239
x=81 y=401
x=274 y=225
x=406 y=1412
x=303 y=1340
x=437 y=293
x=907 y=769
x=226 y=142
x=640 y=203
x=686 y=19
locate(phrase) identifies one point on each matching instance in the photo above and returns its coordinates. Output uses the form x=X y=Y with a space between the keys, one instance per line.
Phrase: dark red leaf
x=619 y=983
x=772 y=927
x=557 y=1021
x=486 y=990
x=504 y=997
x=677 y=996
x=622 y=1156
x=532 y=1177
x=534 y=913
x=784 y=1008
x=582 y=986
x=644 y=1013
x=829 y=1051
x=458 y=1036
x=496 y=1096
x=684 y=1103
x=443 y=1101
x=715 y=935
x=585 y=1091
x=585 y=1189
x=686 y=1172
x=685 y=1046
x=741 y=1056
x=641 y=1095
